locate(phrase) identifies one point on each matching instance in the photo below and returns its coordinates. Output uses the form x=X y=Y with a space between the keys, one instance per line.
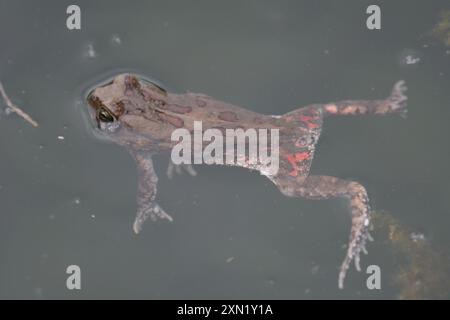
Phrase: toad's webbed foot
x=179 y=168
x=324 y=187
x=152 y=211
x=398 y=98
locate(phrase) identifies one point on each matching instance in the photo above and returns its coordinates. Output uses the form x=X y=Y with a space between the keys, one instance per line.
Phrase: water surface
x=72 y=200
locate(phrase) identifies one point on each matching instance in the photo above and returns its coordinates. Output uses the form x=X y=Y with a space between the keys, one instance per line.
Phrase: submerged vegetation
x=13 y=108
x=441 y=30
x=423 y=272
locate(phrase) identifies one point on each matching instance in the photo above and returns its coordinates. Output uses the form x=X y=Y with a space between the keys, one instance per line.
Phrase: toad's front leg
x=147 y=187
x=324 y=187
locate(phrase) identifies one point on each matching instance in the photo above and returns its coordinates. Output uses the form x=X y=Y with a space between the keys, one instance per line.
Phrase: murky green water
x=72 y=201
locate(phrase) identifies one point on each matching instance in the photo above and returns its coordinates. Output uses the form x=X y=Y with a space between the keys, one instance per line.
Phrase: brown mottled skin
x=141 y=116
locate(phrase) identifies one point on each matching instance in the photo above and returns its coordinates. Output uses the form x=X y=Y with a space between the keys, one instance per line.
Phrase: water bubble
x=270 y=282
x=409 y=57
x=230 y=259
x=315 y=270
x=89 y=51
x=115 y=40
x=39 y=293
x=416 y=236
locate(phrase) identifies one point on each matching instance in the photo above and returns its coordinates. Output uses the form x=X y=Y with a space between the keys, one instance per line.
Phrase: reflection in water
x=422 y=271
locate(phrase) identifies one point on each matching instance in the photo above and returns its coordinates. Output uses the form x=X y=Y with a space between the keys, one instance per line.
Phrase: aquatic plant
x=441 y=30
x=423 y=271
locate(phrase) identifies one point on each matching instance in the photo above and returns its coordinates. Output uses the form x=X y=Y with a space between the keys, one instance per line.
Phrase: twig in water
x=15 y=108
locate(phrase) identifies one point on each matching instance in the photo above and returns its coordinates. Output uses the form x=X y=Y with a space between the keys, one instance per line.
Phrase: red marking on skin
x=294 y=159
x=308 y=120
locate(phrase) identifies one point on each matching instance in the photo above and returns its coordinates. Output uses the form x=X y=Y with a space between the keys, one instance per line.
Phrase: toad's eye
x=105 y=116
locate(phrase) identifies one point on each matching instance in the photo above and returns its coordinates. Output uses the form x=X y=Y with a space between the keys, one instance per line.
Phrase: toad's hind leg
x=324 y=187
x=394 y=104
